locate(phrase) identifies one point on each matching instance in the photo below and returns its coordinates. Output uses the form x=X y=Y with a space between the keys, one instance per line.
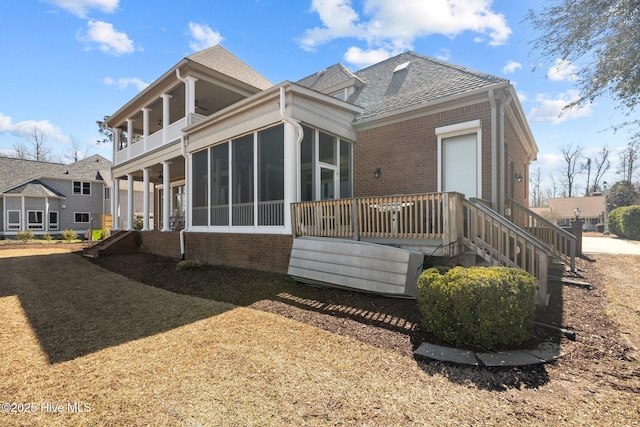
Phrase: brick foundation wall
x=265 y=252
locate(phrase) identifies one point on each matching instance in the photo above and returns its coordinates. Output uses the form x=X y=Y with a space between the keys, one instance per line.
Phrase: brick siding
x=265 y=252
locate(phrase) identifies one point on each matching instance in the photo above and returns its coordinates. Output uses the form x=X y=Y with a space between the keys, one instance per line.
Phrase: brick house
x=238 y=163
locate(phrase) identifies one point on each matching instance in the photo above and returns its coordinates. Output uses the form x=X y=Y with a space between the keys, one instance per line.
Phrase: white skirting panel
x=360 y=266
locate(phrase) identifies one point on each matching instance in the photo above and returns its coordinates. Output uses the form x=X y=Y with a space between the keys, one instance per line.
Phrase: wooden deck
x=443 y=225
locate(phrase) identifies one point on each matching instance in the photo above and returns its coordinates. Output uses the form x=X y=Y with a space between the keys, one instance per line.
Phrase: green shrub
x=25 y=235
x=614 y=221
x=630 y=222
x=69 y=235
x=486 y=307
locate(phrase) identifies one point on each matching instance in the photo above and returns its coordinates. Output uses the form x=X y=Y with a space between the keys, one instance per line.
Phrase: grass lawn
x=130 y=354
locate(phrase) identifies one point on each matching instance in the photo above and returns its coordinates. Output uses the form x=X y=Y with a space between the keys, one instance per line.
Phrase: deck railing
x=420 y=216
x=561 y=242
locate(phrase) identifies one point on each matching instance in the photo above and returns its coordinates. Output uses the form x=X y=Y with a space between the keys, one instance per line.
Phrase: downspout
x=495 y=198
x=502 y=200
x=290 y=120
x=299 y=135
x=183 y=147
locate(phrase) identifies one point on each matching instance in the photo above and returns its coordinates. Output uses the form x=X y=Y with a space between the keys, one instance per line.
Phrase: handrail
x=501 y=242
x=561 y=242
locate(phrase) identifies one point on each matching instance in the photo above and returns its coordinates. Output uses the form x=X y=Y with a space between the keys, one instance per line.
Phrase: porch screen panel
x=345 y=170
x=327 y=148
x=200 y=180
x=242 y=158
x=220 y=184
x=306 y=164
x=271 y=176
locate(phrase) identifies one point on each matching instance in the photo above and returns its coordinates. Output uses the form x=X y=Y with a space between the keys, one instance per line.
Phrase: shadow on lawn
x=336 y=310
x=76 y=308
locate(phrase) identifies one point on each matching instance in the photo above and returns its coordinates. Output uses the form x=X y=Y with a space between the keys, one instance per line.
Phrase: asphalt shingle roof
x=424 y=80
x=18 y=172
x=219 y=59
x=35 y=188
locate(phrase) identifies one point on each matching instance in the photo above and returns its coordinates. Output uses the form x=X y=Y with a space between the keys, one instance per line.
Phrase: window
x=13 y=220
x=82 y=187
x=107 y=193
x=53 y=220
x=81 y=217
x=35 y=220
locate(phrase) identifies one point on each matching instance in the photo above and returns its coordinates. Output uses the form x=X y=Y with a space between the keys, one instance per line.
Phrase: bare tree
x=587 y=166
x=628 y=160
x=35 y=149
x=536 y=191
x=602 y=166
x=76 y=151
x=572 y=167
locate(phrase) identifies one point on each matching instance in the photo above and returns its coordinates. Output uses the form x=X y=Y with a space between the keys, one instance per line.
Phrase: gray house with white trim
x=48 y=198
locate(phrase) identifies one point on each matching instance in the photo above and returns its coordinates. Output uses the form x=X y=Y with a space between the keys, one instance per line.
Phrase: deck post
x=355 y=223
x=294 y=221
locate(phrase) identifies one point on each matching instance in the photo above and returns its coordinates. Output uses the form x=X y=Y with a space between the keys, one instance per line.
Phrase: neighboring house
x=563 y=210
x=234 y=158
x=48 y=198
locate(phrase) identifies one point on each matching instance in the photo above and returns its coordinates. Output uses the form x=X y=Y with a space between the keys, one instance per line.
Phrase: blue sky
x=67 y=63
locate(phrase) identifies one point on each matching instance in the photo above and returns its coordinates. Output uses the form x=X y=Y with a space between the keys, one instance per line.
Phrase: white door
x=460 y=165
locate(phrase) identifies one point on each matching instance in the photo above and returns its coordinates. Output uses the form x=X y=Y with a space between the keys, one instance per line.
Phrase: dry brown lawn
x=129 y=354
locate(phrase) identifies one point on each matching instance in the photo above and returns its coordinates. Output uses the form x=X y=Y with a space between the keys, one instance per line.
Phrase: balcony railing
x=270 y=214
x=164 y=136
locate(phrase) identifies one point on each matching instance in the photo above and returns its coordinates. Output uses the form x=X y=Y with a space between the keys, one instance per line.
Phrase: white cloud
x=81 y=7
x=394 y=25
x=562 y=70
x=125 y=82
x=550 y=109
x=24 y=129
x=107 y=38
x=444 y=55
x=511 y=67
x=203 y=36
x=364 y=58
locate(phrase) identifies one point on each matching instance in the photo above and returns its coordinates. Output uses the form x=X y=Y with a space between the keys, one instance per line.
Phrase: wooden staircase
x=120 y=242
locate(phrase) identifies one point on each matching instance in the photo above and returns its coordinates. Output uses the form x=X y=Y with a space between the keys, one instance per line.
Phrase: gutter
x=503 y=104
x=495 y=197
x=290 y=120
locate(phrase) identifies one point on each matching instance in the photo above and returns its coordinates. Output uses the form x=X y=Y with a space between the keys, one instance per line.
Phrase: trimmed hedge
x=488 y=307
x=625 y=222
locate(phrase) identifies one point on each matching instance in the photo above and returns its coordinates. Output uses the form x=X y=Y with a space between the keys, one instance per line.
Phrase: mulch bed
x=383 y=322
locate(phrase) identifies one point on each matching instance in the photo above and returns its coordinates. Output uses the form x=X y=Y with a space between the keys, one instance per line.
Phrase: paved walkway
x=610 y=245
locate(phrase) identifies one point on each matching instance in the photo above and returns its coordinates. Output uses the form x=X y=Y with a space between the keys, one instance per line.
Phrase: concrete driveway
x=609 y=245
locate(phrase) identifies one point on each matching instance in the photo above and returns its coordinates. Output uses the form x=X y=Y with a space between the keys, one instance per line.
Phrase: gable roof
x=333 y=77
x=17 y=172
x=220 y=59
x=35 y=188
x=406 y=80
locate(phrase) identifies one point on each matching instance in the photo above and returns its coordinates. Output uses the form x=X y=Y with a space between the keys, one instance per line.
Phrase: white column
x=116 y=144
x=129 y=202
x=166 y=116
x=115 y=204
x=190 y=96
x=145 y=126
x=167 y=196
x=129 y=137
x=145 y=200
x=290 y=172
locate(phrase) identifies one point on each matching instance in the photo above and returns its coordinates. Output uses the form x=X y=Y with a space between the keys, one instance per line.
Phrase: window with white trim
x=107 y=193
x=13 y=220
x=53 y=220
x=35 y=220
x=81 y=217
x=82 y=187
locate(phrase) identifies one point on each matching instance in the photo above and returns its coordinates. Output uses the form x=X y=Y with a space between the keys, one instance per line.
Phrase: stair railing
x=500 y=242
x=561 y=242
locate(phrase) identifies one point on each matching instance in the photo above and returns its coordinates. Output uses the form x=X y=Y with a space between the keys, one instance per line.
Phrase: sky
x=64 y=64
